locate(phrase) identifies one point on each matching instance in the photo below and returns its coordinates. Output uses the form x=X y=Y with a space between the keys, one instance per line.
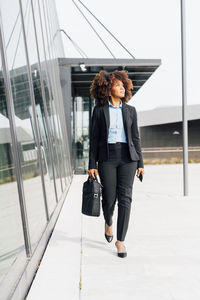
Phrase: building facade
x=35 y=163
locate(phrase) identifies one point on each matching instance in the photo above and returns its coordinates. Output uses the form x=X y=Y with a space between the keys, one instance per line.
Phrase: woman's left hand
x=140 y=170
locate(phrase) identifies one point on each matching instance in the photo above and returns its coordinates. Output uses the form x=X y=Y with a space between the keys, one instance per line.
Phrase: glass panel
x=43 y=43
x=55 y=94
x=51 y=96
x=23 y=116
x=57 y=50
x=81 y=137
x=11 y=234
x=42 y=126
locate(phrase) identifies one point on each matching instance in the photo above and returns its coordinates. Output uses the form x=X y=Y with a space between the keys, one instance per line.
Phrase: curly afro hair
x=102 y=83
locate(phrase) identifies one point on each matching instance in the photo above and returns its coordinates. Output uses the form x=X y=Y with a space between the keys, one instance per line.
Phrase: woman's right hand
x=91 y=173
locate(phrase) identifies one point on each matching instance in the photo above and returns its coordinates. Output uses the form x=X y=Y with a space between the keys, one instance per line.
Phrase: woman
x=115 y=149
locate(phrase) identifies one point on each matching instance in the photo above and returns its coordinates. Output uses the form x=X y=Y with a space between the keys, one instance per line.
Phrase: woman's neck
x=115 y=101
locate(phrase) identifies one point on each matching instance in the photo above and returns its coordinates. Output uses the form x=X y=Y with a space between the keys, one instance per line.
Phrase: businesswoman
x=115 y=149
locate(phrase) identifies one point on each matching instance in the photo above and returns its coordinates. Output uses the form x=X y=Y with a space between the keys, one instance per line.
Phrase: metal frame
x=184 y=100
x=73 y=62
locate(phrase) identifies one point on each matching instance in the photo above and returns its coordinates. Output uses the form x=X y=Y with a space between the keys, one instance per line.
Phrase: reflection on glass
x=48 y=74
x=11 y=235
x=53 y=141
x=81 y=110
x=22 y=107
x=54 y=37
x=40 y=28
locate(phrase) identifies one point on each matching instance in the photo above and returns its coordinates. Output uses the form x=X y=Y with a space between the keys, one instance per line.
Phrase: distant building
x=161 y=132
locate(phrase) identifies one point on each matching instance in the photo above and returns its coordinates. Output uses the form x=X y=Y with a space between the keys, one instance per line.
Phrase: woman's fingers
x=92 y=172
x=140 y=170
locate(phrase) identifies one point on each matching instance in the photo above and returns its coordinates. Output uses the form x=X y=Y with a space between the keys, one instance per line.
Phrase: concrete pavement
x=163 y=245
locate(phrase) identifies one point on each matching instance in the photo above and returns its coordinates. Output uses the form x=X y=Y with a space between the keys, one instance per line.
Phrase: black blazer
x=99 y=130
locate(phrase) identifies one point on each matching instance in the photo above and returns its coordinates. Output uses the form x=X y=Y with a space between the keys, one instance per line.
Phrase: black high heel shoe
x=121 y=254
x=109 y=238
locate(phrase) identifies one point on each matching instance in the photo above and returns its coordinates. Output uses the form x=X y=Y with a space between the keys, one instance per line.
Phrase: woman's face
x=118 y=90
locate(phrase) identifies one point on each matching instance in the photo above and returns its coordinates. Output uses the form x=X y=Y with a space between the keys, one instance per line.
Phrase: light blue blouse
x=116 y=129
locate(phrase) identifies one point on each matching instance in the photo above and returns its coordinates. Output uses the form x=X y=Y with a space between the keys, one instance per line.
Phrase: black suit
x=117 y=163
x=99 y=135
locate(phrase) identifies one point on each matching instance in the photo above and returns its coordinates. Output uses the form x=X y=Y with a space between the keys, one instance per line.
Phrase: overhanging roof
x=139 y=71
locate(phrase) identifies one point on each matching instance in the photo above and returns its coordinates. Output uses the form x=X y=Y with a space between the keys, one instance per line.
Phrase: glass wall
x=11 y=233
x=35 y=167
x=82 y=107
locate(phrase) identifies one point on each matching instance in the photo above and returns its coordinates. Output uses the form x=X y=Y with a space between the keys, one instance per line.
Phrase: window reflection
x=11 y=235
x=48 y=75
x=81 y=112
x=53 y=39
x=24 y=122
x=46 y=133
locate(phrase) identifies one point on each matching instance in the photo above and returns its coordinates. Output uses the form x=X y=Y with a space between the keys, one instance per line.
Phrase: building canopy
x=139 y=71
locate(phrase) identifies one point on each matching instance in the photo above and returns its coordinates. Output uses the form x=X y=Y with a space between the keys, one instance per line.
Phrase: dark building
x=161 y=132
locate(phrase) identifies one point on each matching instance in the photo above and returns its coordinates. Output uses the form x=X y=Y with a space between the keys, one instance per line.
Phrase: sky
x=149 y=29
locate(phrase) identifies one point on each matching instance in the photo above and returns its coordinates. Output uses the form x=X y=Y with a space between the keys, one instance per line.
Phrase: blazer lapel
x=125 y=116
x=107 y=116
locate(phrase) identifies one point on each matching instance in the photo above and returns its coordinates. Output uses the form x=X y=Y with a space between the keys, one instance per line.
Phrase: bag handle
x=96 y=179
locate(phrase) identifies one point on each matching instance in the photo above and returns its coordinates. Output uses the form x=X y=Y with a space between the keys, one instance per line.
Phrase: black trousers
x=117 y=177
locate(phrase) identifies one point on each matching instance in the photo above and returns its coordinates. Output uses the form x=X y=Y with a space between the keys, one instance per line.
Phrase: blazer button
x=131 y=143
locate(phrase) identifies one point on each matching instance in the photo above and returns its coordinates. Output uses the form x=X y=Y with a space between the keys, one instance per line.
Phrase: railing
x=169 y=149
x=170 y=154
x=29 y=170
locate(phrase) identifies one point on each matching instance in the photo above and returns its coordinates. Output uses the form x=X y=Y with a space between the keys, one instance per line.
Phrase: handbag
x=91 y=195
